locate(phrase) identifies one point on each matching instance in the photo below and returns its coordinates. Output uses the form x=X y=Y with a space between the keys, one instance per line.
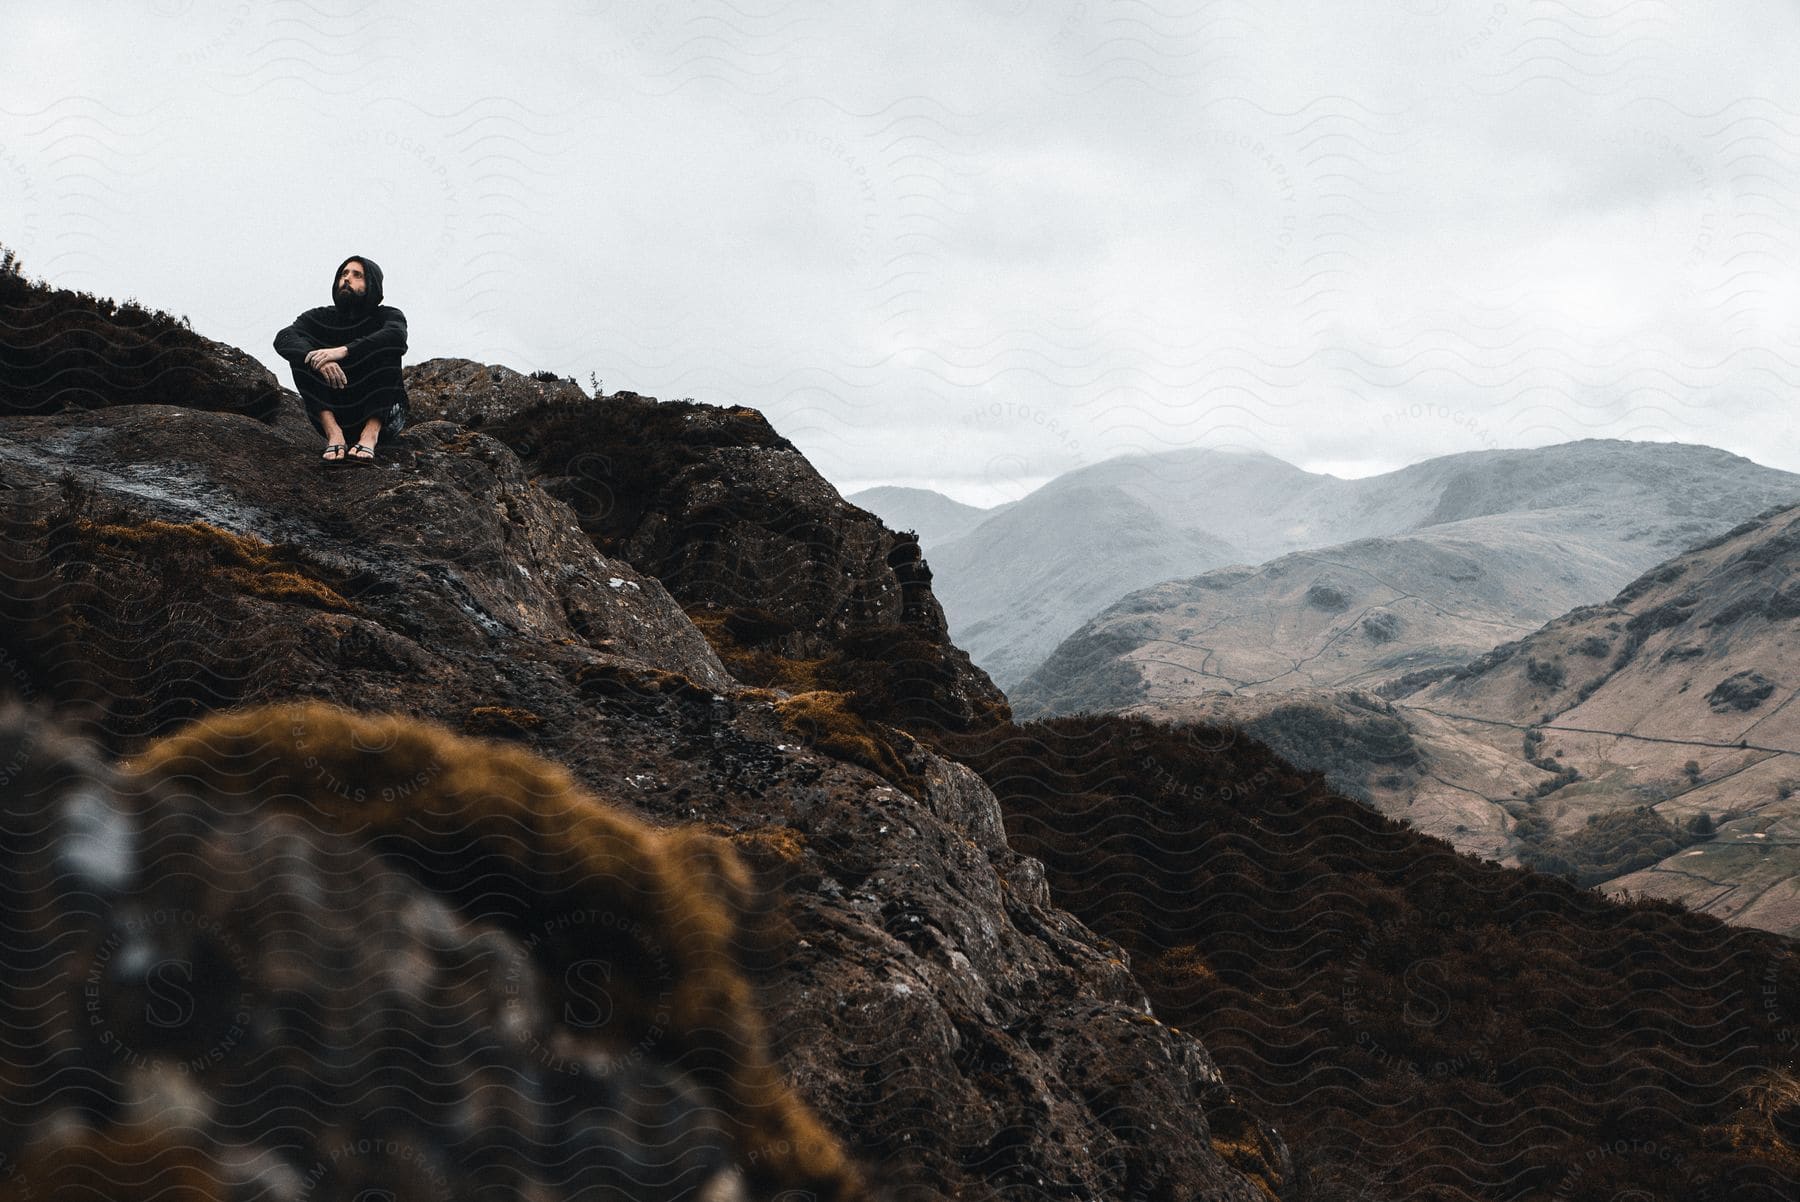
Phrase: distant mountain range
x=1451 y=669
x=1420 y=567
x=1650 y=743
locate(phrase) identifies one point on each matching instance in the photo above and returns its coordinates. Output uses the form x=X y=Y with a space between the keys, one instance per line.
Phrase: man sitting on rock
x=346 y=360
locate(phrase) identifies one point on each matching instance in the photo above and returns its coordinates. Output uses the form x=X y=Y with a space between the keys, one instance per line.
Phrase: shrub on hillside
x=1546 y=673
x=1347 y=750
x=1382 y=626
x=1740 y=691
x=1609 y=846
x=1327 y=596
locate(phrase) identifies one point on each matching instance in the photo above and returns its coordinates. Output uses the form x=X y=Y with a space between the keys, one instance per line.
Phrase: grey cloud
x=1151 y=225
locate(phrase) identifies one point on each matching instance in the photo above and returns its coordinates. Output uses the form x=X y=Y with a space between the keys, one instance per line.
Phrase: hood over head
x=359 y=306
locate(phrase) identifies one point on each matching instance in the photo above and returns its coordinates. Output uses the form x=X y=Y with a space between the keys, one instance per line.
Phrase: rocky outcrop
x=208 y=951
x=476 y=395
x=795 y=587
x=954 y=1030
x=62 y=350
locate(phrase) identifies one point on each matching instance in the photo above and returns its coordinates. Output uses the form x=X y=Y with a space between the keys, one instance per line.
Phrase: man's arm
x=293 y=342
x=391 y=337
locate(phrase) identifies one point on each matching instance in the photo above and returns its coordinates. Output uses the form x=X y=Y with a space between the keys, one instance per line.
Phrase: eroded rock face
x=960 y=1034
x=474 y=394
x=796 y=587
x=370 y=569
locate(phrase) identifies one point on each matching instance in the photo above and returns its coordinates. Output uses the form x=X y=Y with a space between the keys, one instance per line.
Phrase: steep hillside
x=1421 y=1025
x=1674 y=700
x=1464 y=552
x=1646 y=744
x=1349 y=616
x=955 y=1034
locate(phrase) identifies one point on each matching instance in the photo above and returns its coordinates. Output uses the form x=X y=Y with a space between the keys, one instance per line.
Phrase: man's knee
x=312 y=389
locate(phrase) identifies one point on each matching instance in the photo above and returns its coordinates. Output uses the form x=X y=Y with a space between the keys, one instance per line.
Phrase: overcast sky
x=970 y=244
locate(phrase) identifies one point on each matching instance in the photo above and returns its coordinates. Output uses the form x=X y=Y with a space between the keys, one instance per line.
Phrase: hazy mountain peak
x=934 y=517
x=1561 y=525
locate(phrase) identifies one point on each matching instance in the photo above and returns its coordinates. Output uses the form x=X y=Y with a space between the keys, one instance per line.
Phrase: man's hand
x=317 y=360
x=334 y=375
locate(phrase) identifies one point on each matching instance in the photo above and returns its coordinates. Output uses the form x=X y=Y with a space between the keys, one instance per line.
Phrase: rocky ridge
x=1450 y=556
x=955 y=1031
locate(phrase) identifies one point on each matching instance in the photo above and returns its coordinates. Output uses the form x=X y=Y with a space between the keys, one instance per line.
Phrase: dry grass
x=205 y=551
x=824 y=721
x=459 y=810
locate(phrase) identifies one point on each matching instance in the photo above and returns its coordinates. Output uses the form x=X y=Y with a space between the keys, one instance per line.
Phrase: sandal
x=329 y=448
x=368 y=452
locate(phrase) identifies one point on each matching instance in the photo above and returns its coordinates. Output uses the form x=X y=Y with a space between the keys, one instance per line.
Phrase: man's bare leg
x=371 y=434
x=334 y=434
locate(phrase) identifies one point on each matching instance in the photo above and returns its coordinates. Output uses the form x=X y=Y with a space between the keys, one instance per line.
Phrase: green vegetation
x=1565 y=775
x=1664 y=573
x=1346 y=749
x=1331 y=598
x=1382 y=626
x=1562 y=774
x=1740 y=691
x=1663 y=617
x=1088 y=672
x=1411 y=682
x=1609 y=846
x=1545 y=673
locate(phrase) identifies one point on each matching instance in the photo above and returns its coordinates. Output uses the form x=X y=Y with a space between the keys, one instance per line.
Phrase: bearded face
x=351 y=286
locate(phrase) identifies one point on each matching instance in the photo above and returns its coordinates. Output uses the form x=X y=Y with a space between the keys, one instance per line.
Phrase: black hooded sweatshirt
x=374 y=333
